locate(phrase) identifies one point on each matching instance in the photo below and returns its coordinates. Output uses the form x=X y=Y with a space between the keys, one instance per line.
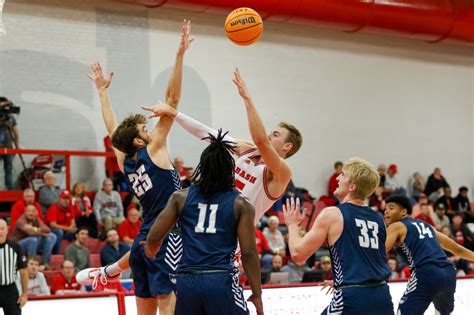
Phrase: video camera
x=7 y=107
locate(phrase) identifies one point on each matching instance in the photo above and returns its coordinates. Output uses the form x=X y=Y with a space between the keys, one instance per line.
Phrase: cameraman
x=8 y=136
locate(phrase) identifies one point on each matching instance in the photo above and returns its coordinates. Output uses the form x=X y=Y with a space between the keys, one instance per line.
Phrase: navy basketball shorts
x=153 y=277
x=373 y=300
x=209 y=294
x=427 y=284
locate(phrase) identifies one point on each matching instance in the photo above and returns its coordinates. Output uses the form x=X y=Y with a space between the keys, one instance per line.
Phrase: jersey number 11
x=211 y=229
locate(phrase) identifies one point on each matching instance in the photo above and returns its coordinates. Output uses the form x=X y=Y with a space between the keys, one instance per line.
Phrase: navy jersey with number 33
x=358 y=256
x=151 y=184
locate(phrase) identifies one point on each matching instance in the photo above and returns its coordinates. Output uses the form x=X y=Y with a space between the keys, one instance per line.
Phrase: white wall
x=384 y=99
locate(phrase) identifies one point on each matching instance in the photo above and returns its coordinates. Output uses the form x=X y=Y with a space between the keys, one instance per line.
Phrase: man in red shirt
x=61 y=219
x=129 y=228
x=425 y=214
x=18 y=207
x=65 y=282
x=333 y=184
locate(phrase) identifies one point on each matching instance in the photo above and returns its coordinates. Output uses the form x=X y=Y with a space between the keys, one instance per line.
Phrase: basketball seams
x=242 y=29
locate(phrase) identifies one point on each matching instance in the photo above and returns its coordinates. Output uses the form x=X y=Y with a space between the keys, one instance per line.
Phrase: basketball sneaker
x=92 y=276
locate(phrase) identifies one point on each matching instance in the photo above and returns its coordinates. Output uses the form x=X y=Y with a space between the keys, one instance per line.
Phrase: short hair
x=363 y=175
x=338 y=163
x=82 y=228
x=273 y=218
x=107 y=180
x=48 y=174
x=111 y=229
x=65 y=261
x=463 y=188
x=35 y=258
x=400 y=200
x=123 y=137
x=294 y=137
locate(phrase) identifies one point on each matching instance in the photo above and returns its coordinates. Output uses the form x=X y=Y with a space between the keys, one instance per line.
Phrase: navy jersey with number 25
x=151 y=184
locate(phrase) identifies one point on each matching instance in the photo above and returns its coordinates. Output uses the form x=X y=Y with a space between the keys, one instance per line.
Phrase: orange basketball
x=244 y=26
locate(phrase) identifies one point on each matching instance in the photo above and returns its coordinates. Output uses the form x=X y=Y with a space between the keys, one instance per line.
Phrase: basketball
x=244 y=26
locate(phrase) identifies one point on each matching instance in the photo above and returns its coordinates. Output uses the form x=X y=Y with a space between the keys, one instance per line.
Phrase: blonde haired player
x=356 y=237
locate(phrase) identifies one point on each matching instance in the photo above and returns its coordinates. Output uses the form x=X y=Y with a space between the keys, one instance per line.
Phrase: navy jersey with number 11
x=209 y=231
x=151 y=184
x=358 y=256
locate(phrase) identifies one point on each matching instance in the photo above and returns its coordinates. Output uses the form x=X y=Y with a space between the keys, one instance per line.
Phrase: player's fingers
x=111 y=75
x=292 y=202
x=90 y=77
x=298 y=203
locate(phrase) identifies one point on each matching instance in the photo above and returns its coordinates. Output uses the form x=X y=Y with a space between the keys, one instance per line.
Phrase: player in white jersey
x=262 y=174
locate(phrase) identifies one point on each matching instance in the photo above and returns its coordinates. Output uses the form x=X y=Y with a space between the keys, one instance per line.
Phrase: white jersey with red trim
x=251 y=180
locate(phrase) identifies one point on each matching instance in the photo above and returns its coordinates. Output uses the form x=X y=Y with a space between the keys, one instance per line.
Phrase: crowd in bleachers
x=63 y=232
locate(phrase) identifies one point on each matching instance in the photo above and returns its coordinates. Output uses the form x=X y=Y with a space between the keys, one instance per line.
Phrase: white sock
x=113 y=270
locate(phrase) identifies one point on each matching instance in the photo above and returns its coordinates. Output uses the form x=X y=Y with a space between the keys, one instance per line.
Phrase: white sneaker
x=91 y=276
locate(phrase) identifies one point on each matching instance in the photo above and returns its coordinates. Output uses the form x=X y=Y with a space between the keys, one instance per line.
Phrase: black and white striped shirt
x=11 y=260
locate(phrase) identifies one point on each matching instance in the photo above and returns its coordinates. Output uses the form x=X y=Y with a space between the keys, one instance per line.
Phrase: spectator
x=376 y=201
x=65 y=282
x=188 y=181
x=435 y=183
x=18 y=207
x=425 y=214
x=275 y=237
x=108 y=206
x=418 y=186
x=295 y=272
x=33 y=235
x=422 y=199
x=446 y=199
x=277 y=263
x=382 y=169
x=60 y=218
x=77 y=252
x=129 y=229
x=333 y=183
x=440 y=218
x=327 y=267
x=113 y=250
x=9 y=135
x=461 y=232
x=49 y=192
x=83 y=205
x=12 y=262
x=36 y=281
x=462 y=203
x=263 y=249
x=179 y=167
x=392 y=186
x=392 y=263
x=112 y=169
x=460 y=264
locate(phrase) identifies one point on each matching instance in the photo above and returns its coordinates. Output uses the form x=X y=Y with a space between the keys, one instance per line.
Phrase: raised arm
x=250 y=261
x=453 y=247
x=159 y=134
x=165 y=221
x=192 y=126
x=102 y=84
x=301 y=248
x=280 y=170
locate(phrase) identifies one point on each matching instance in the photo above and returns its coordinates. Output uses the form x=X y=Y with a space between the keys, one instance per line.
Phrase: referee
x=11 y=260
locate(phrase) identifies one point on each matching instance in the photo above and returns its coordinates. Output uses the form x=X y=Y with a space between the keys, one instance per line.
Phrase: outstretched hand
x=101 y=83
x=329 y=284
x=240 y=83
x=160 y=110
x=186 y=39
x=292 y=212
